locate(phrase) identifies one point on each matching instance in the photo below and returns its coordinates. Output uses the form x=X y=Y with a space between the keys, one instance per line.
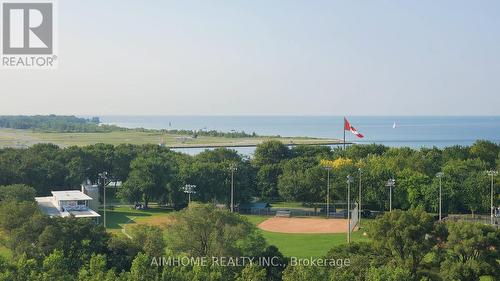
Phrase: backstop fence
x=354 y=217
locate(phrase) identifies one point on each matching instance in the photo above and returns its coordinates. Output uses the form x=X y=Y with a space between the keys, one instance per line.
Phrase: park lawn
x=298 y=245
x=121 y=217
x=304 y=245
x=22 y=138
x=255 y=219
x=309 y=245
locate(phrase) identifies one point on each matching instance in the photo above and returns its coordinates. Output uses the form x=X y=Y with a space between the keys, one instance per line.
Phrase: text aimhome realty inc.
x=243 y=261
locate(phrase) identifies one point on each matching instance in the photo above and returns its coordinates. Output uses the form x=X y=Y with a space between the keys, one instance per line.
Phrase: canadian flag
x=348 y=127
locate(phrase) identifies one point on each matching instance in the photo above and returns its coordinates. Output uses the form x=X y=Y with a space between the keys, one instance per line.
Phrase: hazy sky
x=267 y=57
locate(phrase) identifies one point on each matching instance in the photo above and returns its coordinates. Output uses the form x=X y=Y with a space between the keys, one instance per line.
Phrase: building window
x=81 y=203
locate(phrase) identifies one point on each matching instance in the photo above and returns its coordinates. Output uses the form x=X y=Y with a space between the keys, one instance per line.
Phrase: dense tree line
x=73 y=124
x=66 y=249
x=209 y=133
x=56 y=123
x=276 y=172
x=297 y=174
x=149 y=172
x=404 y=245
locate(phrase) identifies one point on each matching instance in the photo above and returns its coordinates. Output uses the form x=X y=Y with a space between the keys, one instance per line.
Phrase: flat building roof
x=68 y=195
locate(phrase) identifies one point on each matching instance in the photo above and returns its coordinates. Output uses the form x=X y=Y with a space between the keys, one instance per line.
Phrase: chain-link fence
x=484 y=219
x=337 y=210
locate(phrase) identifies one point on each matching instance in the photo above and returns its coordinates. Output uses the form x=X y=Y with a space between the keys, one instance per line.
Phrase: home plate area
x=304 y=225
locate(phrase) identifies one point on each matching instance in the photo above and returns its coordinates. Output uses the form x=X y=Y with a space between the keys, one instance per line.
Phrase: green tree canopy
x=203 y=230
x=404 y=236
x=270 y=152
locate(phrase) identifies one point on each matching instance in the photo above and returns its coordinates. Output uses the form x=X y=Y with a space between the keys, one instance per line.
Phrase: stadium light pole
x=390 y=183
x=232 y=167
x=440 y=176
x=328 y=169
x=359 y=200
x=104 y=176
x=349 y=181
x=492 y=174
x=189 y=189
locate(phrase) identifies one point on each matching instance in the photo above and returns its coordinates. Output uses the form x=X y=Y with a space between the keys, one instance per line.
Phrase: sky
x=266 y=57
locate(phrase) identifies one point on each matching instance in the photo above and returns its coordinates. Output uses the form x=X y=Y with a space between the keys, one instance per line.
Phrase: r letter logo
x=28 y=35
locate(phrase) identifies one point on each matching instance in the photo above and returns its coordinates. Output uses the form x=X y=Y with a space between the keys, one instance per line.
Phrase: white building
x=67 y=203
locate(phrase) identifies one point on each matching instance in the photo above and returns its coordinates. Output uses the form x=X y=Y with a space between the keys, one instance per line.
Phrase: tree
x=149 y=177
x=26 y=269
x=210 y=172
x=14 y=214
x=404 y=236
x=76 y=238
x=123 y=155
x=498 y=162
x=376 y=171
x=98 y=158
x=210 y=180
x=205 y=231
x=486 y=151
x=17 y=192
x=219 y=155
x=429 y=160
x=410 y=189
x=121 y=252
x=252 y=272
x=387 y=273
x=457 y=271
x=359 y=255
x=56 y=267
x=362 y=151
x=76 y=172
x=455 y=152
x=312 y=151
x=267 y=180
x=142 y=270
x=274 y=273
x=270 y=152
x=39 y=167
x=472 y=251
x=304 y=273
x=302 y=180
x=150 y=239
x=461 y=187
x=96 y=270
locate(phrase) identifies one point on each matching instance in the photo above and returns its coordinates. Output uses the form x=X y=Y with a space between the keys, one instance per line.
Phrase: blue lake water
x=412 y=131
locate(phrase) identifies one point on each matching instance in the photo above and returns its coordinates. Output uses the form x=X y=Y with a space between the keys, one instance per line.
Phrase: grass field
x=23 y=138
x=298 y=245
x=121 y=217
x=304 y=245
x=308 y=245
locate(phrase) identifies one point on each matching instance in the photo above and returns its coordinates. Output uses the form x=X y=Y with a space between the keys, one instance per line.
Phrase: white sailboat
x=394 y=125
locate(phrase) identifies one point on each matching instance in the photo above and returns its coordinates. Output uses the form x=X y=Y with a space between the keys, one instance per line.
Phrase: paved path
x=123 y=227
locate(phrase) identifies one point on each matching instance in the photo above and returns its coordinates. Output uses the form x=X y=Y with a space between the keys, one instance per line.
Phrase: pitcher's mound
x=304 y=225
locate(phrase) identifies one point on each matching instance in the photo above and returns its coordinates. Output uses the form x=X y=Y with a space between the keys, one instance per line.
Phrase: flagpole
x=343 y=128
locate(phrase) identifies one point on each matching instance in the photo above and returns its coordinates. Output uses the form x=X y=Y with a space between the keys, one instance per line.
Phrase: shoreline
x=17 y=138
